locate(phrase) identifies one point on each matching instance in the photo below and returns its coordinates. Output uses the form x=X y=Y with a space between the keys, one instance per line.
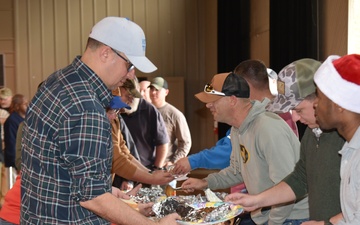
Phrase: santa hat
x=339 y=79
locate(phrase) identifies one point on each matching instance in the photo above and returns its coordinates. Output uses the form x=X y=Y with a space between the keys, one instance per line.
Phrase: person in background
x=124 y=164
x=5 y=98
x=176 y=125
x=5 y=102
x=258 y=158
x=337 y=106
x=319 y=164
x=18 y=109
x=144 y=90
x=118 y=181
x=67 y=145
x=146 y=126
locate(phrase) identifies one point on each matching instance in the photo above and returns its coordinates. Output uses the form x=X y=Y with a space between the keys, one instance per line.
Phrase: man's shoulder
x=170 y=109
x=147 y=106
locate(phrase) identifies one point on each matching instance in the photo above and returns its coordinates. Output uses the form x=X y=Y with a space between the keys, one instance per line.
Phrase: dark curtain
x=293 y=34
x=233 y=38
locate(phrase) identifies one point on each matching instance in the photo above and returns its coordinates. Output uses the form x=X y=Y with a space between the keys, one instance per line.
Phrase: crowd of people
x=93 y=135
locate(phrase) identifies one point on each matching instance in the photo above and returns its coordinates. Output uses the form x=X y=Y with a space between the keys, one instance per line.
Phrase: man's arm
x=280 y=193
x=217 y=157
x=115 y=210
x=183 y=137
x=161 y=153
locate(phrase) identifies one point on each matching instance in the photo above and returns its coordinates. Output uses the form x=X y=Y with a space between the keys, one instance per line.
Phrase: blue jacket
x=217 y=157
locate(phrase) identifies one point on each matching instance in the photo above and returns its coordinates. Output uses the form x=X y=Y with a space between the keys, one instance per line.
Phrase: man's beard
x=134 y=106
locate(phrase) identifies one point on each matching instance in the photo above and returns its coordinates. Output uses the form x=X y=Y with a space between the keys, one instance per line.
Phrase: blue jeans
x=292 y=222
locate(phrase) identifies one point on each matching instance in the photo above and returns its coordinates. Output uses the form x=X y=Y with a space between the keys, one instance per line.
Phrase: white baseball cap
x=124 y=36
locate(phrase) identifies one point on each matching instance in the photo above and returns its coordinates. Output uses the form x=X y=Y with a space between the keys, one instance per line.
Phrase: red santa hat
x=339 y=79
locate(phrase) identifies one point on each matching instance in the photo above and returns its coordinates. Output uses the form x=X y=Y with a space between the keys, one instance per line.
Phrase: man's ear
x=233 y=100
x=104 y=53
x=167 y=92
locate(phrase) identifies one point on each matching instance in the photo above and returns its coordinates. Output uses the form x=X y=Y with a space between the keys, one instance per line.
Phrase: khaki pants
x=4 y=187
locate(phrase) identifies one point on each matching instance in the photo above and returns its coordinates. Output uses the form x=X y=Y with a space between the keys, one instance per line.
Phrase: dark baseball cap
x=224 y=84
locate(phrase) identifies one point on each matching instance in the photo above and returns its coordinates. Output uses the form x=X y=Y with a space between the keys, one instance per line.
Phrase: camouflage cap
x=131 y=87
x=294 y=83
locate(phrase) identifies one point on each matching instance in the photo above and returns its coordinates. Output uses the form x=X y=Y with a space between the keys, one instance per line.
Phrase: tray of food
x=196 y=212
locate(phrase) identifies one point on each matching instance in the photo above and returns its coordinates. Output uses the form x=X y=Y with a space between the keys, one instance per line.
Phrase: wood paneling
x=333 y=16
x=260 y=30
x=181 y=41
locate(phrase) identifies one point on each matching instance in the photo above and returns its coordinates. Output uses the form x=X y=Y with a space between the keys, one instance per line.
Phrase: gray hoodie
x=264 y=151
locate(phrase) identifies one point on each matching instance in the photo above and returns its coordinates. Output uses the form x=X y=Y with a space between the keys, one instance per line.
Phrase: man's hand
x=135 y=190
x=162 y=177
x=182 y=166
x=170 y=219
x=192 y=184
x=119 y=194
x=146 y=208
x=248 y=202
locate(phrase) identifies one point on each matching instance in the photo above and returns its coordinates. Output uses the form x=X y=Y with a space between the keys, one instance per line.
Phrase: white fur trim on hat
x=338 y=90
x=124 y=36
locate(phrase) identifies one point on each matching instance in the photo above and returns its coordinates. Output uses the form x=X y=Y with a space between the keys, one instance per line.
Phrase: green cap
x=158 y=83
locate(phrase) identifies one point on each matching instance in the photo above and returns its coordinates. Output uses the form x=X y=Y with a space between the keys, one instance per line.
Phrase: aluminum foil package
x=193 y=211
x=146 y=195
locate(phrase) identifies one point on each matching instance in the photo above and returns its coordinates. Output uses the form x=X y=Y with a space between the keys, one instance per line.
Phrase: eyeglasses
x=210 y=90
x=131 y=66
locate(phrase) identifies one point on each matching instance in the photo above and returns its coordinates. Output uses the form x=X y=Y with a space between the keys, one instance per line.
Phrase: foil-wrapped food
x=146 y=195
x=194 y=211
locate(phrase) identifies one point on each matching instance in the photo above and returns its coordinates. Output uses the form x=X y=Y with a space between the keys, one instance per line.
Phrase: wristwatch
x=158 y=168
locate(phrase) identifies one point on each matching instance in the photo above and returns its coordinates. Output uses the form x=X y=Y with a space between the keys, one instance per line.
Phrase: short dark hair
x=93 y=44
x=254 y=72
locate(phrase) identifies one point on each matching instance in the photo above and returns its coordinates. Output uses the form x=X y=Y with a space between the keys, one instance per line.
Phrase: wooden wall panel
x=21 y=46
x=50 y=33
x=260 y=30
x=87 y=21
x=74 y=26
x=165 y=50
x=47 y=39
x=126 y=8
x=113 y=8
x=62 y=57
x=35 y=45
x=178 y=38
x=100 y=11
x=153 y=44
x=7 y=45
x=333 y=16
x=4 y=17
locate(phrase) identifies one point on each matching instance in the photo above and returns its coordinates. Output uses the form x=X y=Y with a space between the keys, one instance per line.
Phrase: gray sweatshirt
x=264 y=151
